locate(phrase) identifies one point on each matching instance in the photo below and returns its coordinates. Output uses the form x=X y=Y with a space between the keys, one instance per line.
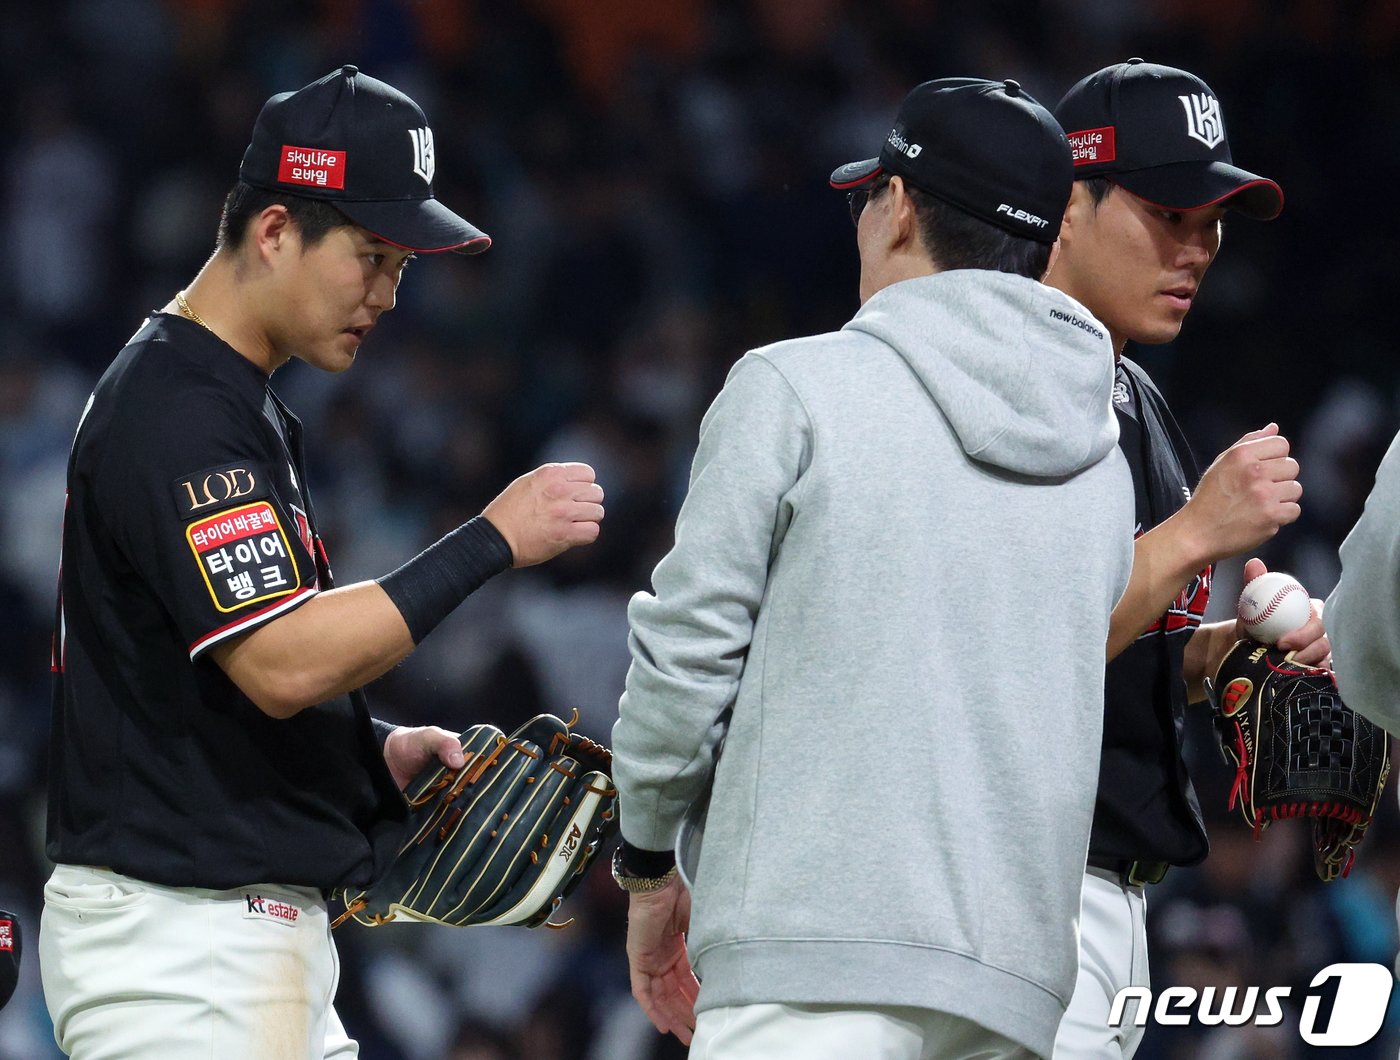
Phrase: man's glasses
x=856 y=198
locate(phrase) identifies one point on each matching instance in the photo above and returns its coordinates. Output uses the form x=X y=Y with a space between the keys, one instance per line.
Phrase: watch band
x=638 y=884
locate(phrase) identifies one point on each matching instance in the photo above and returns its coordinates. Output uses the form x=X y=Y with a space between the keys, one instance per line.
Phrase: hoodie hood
x=1041 y=405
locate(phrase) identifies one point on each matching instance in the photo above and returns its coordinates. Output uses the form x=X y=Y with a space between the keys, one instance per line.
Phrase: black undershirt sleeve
x=646 y=864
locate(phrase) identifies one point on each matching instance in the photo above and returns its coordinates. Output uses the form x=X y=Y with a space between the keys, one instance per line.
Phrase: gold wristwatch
x=638 y=884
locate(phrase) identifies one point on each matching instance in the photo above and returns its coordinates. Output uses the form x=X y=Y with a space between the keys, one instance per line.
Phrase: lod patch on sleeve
x=217 y=487
x=244 y=556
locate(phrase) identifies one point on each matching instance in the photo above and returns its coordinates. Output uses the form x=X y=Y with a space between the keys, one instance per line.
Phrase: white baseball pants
x=828 y=1032
x=1112 y=955
x=137 y=971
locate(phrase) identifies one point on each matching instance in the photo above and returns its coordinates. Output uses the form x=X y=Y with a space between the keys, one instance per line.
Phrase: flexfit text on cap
x=985 y=146
x=367 y=148
x=1159 y=132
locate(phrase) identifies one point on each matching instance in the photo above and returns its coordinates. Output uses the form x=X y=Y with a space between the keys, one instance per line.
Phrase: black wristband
x=646 y=864
x=429 y=587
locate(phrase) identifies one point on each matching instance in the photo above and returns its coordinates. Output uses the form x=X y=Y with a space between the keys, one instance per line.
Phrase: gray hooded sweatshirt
x=1363 y=613
x=889 y=594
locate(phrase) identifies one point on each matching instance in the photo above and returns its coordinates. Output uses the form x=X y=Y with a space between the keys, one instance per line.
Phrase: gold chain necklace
x=185 y=309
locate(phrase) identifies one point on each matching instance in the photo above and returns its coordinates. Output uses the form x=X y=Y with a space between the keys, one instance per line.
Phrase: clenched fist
x=548 y=511
x=1250 y=491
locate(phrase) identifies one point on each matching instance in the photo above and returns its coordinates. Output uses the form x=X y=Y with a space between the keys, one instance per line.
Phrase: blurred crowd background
x=654 y=173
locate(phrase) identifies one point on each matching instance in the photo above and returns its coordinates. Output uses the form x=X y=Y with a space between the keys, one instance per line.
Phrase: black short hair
x=313 y=217
x=1099 y=187
x=955 y=239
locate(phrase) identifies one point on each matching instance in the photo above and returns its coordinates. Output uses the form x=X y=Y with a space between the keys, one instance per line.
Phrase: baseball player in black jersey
x=1154 y=177
x=215 y=770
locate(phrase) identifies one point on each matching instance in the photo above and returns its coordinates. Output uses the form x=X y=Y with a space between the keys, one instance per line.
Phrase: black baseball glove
x=503 y=839
x=1298 y=751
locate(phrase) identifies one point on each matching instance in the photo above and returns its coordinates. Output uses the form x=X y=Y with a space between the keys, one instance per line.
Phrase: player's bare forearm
x=1247 y=493
x=1210 y=643
x=1165 y=559
x=336 y=641
x=1207 y=646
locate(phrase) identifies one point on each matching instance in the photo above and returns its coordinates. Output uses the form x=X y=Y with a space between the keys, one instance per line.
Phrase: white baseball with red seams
x=1273 y=605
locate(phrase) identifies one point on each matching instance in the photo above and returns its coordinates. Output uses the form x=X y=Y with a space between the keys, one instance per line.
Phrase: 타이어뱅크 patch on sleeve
x=242 y=547
x=244 y=556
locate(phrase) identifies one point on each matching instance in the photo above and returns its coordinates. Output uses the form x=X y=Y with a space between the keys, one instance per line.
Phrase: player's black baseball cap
x=365 y=147
x=985 y=146
x=1158 y=132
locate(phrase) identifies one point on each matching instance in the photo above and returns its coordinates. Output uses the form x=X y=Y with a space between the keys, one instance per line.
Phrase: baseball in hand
x=1272 y=605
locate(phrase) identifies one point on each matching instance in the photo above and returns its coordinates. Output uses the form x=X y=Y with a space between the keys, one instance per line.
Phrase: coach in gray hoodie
x=888 y=600
x=1363 y=613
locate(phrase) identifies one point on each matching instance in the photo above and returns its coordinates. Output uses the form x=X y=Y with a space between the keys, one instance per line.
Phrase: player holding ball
x=1298 y=750
x=1272 y=606
x=1154 y=178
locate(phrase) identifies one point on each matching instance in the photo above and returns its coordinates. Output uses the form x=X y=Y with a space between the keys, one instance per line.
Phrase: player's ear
x=1079 y=211
x=904 y=220
x=270 y=232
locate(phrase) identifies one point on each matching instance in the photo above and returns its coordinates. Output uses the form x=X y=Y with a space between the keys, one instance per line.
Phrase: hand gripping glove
x=504 y=839
x=1298 y=751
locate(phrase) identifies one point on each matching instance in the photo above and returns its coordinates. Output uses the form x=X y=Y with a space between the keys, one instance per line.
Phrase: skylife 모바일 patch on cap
x=365 y=147
x=1159 y=132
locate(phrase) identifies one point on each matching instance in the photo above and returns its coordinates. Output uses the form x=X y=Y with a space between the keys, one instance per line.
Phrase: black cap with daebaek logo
x=1158 y=131
x=985 y=146
x=364 y=146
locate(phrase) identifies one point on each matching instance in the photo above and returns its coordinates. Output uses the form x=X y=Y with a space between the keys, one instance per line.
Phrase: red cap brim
x=422 y=225
x=854 y=174
x=1194 y=186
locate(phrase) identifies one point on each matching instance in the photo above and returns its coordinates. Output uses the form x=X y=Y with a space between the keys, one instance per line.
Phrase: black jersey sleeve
x=186 y=486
